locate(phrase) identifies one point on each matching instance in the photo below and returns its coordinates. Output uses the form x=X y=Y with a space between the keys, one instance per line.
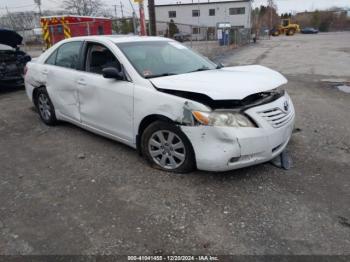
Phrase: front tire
x=45 y=107
x=167 y=148
x=290 y=32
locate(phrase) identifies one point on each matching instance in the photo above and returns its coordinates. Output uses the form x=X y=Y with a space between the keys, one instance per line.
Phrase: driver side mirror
x=112 y=72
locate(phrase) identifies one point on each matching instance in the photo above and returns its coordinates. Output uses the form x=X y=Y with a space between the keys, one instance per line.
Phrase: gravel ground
x=64 y=190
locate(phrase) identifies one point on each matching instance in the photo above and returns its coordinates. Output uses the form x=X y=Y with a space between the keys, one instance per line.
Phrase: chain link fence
x=207 y=40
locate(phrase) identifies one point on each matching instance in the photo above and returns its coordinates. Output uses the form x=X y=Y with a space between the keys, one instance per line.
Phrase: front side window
x=100 y=57
x=68 y=55
x=237 y=11
x=172 y=14
x=195 y=13
x=285 y=22
x=161 y=58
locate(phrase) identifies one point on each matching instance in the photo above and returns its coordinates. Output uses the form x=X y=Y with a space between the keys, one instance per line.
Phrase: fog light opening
x=234 y=159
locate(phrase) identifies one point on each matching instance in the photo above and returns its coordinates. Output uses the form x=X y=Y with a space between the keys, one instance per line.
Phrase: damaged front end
x=233 y=133
x=233 y=107
x=12 y=60
x=12 y=65
x=241 y=105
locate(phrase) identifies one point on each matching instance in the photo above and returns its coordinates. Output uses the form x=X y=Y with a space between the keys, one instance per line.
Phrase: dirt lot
x=64 y=190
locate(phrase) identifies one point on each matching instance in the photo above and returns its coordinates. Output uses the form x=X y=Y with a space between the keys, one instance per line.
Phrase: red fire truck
x=56 y=28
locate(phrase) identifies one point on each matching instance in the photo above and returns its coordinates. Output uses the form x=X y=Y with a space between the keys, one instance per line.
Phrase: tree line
x=335 y=19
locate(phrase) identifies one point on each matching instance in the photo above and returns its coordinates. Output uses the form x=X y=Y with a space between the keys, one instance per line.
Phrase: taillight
x=25 y=69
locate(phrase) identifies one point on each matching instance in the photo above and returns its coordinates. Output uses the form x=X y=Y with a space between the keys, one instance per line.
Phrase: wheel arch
x=35 y=92
x=145 y=122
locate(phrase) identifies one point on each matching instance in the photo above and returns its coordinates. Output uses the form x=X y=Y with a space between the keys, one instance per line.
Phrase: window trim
x=173 y=12
x=199 y=12
x=212 y=9
x=59 y=29
x=100 y=29
x=236 y=8
x=198 y=29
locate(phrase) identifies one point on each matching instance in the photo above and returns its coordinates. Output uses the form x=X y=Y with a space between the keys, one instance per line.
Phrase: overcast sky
x=282 y=5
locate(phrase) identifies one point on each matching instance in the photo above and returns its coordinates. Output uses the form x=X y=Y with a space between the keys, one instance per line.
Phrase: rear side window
x=68 y=55
x=52 y=59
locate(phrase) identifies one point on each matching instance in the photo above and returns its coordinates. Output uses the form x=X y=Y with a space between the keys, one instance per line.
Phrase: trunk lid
x=10 y=38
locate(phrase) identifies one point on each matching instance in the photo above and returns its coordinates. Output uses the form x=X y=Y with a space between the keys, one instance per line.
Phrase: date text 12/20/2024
x=173 y=258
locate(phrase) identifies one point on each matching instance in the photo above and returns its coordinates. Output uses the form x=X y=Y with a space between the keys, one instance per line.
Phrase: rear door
x=105 y=104
x=62 y=79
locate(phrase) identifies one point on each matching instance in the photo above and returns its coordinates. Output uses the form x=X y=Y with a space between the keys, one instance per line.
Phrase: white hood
x=227 y=83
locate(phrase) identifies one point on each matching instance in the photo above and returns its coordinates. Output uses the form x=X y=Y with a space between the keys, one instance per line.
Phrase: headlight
x=231 y=119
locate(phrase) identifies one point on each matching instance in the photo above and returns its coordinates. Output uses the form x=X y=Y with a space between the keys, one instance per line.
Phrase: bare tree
x=83 y=7
x=20 y=21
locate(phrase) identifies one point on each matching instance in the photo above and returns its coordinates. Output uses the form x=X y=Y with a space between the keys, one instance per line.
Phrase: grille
x=277 y=117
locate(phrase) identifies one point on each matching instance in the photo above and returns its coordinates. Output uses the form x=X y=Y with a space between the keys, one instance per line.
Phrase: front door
x=105 y=104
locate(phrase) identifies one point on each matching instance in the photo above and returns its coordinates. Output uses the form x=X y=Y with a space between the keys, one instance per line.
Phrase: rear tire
x=166 y=147
x=45 y=107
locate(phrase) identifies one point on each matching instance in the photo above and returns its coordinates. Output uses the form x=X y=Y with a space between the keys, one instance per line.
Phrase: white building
x=197 y=16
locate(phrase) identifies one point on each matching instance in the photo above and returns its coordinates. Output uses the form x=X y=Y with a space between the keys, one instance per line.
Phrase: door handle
x=81 y=82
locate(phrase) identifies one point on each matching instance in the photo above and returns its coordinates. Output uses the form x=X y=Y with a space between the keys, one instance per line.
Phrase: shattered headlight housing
x=230 y=119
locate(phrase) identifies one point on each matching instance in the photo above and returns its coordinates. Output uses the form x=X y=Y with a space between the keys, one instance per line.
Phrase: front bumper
x=228 y=148
x=12 y=82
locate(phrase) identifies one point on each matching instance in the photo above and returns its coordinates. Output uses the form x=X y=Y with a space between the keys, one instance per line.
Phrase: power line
x=121 y=5
x=38 y=3
x=17 y=7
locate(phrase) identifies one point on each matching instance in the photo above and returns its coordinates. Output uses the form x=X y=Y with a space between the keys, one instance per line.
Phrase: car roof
x=121 y=38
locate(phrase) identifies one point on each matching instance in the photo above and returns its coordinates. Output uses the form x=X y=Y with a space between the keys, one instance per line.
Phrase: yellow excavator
x=286 y=28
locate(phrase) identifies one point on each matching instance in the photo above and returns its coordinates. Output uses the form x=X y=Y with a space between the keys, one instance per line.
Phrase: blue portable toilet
x=223 y=33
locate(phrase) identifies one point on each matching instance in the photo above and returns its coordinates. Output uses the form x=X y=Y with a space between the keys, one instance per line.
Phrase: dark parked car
x=309 y=30
x=12 y=60
x=182 y=37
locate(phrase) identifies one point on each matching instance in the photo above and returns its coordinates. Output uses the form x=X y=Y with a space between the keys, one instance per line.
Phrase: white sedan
x=180 y=110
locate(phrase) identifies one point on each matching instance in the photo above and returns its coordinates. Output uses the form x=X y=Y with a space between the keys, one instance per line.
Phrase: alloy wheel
x=167 y=149
x=44 y=106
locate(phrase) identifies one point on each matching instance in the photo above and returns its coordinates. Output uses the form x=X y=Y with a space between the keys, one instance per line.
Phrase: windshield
x=162 y=58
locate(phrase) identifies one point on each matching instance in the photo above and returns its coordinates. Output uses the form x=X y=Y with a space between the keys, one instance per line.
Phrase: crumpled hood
x=226 y=83
x=10 y=38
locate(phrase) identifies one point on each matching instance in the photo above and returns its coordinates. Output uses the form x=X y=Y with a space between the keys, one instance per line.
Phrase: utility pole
x=115 y=10
x=38 y=3
x=133 y=18
x=250 y=14
x=116 y=18
x=152 y=17
x=270 y=6
x=142 y=19
x=121 y=7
